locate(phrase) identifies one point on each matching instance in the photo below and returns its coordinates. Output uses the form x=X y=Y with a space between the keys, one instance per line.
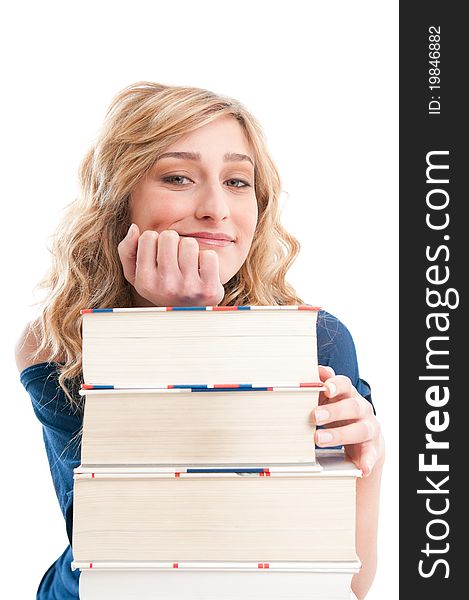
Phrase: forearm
x=367 y=502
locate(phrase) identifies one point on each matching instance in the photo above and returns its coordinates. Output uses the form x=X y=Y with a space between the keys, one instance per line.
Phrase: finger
x=325 y=372
x=339 y=387
x=367 y=458
x=145 y=271
x=127 y=250
x=367 y=462
x=167 y=253
x=188 y=258
x=343 y=410
x=354 y=433
x=372 y=453
x=209 y=268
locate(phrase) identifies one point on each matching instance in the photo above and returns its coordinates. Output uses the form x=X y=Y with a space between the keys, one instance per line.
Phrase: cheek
x=139 y=206
x=153 y=211
x=249 y=218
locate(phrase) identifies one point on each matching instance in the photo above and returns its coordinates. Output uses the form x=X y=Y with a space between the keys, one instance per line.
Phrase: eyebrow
x=228 y=157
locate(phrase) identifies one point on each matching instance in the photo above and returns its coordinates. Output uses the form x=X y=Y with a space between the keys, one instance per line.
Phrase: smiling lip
x=210 y=239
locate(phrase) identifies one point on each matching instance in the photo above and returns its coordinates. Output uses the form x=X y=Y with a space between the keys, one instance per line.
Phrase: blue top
x=60 y=426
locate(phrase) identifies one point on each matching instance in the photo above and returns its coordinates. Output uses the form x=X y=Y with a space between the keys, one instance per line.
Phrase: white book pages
x=135 y=349
x=197 y=585
x=228 y=518
x=179 y=427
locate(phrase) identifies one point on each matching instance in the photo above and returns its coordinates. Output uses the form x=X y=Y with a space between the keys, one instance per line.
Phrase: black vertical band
x=434 y=266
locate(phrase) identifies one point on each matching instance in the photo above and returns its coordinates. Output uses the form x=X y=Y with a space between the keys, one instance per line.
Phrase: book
x=320 y=581
x=156 y=515
x=207 y=346
x=197 y=427
x=199 y=476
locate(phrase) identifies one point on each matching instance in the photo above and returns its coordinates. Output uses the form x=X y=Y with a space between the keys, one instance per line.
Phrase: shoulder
x=41 y=381
x=331 y=331
x=335 y=345
x=26 y=348
x=336 y=349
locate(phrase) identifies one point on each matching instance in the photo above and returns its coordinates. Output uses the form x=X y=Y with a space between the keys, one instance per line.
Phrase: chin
x=224 y=278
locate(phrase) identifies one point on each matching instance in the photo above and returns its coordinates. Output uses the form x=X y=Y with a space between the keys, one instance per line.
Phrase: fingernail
x=332 y=389
x=324 y=437
x=130 y=232
x=321 y=415
x=366 y=470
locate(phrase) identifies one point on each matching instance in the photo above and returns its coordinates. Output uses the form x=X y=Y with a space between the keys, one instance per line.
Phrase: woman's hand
x=349 y=421
x=169 y=270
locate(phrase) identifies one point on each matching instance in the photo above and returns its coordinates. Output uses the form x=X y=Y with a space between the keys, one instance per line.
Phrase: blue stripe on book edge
x=226 y=470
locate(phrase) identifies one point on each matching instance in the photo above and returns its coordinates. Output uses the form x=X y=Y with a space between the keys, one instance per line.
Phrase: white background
x=322 y=79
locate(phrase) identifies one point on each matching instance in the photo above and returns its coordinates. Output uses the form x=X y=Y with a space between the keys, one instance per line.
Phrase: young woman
x=178 y=206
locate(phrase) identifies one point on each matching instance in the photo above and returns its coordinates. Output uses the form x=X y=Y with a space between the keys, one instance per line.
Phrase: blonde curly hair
x=142 y=121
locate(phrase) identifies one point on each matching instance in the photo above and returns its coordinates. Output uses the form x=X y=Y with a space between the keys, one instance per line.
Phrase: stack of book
x=199 y=476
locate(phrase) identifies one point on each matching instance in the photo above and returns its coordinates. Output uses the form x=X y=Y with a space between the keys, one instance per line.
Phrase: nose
x=212 y=202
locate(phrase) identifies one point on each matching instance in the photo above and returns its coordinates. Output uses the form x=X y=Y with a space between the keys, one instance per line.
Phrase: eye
x=237 y=183
x=176 y=179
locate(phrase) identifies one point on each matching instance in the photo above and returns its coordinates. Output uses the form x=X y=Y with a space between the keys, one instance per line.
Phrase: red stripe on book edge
x=87 y=386
x=226 y=385
x=175 y=565
x=259 y=566
x=91 y=565
x=170 y=387
x=92 y=475
x=169 y=308
x=304 y=307
x=266 y=565
x=270 y=389
x=312 y=384
x=177 y=474
x=84 y=311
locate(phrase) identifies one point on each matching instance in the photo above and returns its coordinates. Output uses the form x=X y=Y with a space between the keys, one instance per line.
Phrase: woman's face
x=203 y=184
